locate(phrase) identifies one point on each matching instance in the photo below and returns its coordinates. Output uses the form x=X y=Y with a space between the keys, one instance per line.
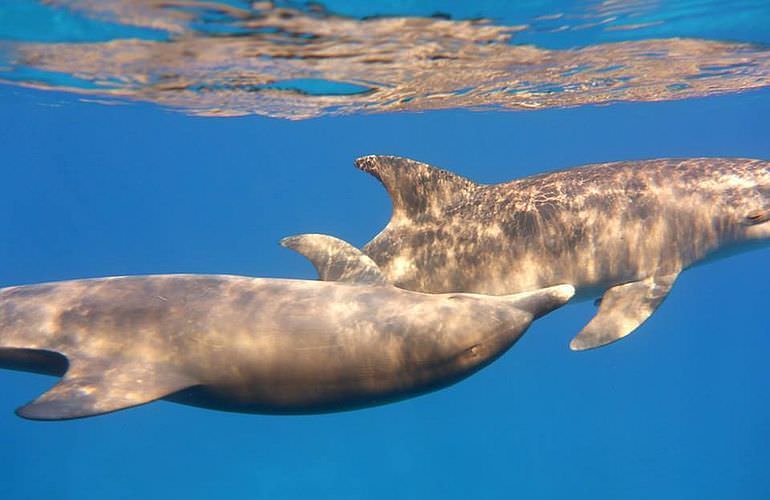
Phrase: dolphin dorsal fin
x=416 y=189
x=334 y=259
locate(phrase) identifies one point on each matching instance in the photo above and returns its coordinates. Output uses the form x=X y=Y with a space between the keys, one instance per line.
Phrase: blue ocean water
x=101 y=186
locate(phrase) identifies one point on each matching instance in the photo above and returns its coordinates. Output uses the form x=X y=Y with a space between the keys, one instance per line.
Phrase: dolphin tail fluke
x=334 y=259
x=541 y=302
x=89 y=390
x=416 y=189
x=622 y=310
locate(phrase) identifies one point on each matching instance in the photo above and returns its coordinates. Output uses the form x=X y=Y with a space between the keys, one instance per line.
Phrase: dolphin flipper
x=80 y=394
x=334 y=259
x=622 y=309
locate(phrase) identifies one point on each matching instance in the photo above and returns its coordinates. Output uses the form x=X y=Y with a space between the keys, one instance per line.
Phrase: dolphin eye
x=472 y=351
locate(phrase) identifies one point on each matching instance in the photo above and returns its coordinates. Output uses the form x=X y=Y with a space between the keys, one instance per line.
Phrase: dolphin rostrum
x=624 y=229
x=254 y=345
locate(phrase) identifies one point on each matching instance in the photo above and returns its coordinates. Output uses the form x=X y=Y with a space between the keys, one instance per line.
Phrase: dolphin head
x=485 y=326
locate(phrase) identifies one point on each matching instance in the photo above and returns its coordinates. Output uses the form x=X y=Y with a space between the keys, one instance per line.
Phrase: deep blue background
x=677 y=410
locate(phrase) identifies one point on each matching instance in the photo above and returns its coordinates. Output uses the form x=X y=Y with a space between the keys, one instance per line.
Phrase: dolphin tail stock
x=542 y=301
x=416 y=189
x=335 y=259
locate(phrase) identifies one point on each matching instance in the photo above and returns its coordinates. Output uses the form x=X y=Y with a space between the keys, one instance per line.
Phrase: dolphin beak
x=541 y=302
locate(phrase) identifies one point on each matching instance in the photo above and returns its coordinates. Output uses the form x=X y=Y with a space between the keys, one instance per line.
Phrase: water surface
x=296 y=60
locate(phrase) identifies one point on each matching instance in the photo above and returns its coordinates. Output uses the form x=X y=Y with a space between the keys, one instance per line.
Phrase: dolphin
x=254 y=345
x=623 y=231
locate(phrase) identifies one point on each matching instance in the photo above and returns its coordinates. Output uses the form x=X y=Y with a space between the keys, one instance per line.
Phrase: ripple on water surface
x=300 y=60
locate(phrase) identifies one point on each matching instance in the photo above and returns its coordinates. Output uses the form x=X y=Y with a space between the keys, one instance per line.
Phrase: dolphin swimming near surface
x=625 y=230
x=254 y=345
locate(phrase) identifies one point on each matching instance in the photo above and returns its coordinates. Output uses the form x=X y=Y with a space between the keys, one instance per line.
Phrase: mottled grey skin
x=625 y=228
x=250 y=344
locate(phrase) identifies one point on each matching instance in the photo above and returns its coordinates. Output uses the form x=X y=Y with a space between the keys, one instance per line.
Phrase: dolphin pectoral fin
x=81 y=394
x=334 y=259
x=622 y=309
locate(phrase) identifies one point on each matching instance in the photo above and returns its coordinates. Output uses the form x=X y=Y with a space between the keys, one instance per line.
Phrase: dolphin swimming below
x=254 y=345
x=625 y=230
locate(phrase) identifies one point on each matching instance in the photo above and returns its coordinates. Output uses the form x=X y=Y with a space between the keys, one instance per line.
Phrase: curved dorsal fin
x=415 y=188
x=334 y=259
